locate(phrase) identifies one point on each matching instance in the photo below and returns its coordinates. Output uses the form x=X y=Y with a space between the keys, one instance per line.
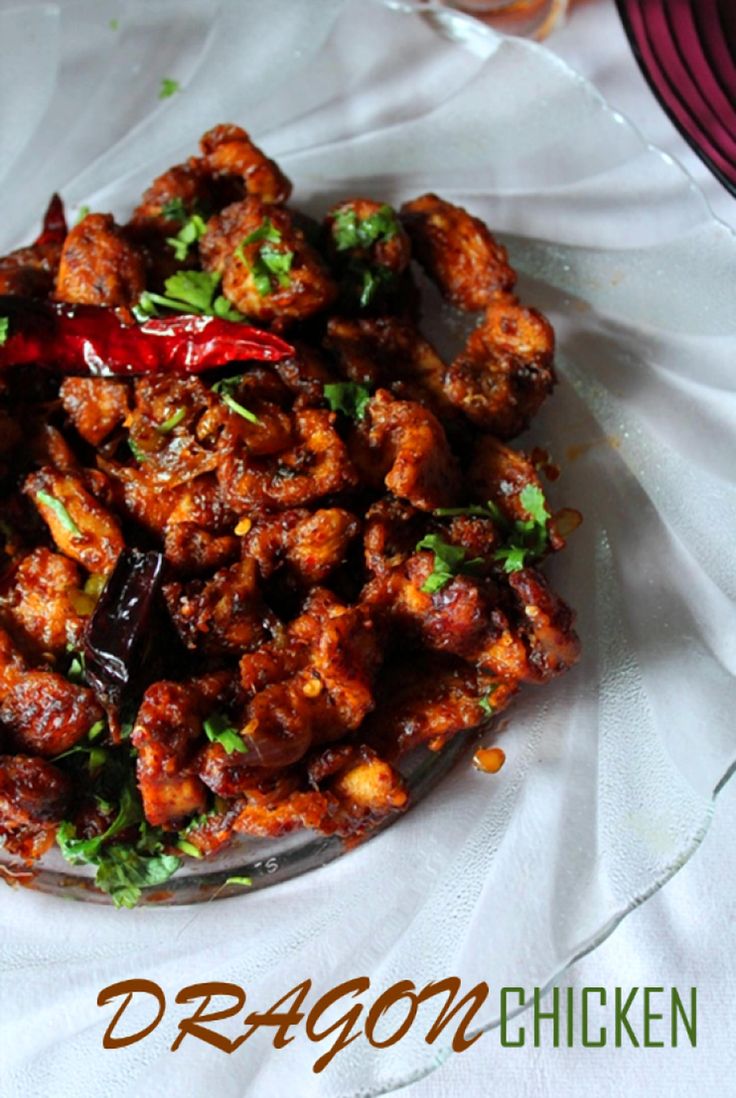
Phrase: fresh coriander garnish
x=173 y=421
x=189 y=848
x=82 y=212
x=60 y=511
x=224 y=390
x=449 y=561
x=481 y=510
x=218 y=729
x=139 y=455
x=175 y=210
x=265 y=231
x=270 y=263
x=348 y=397
x=373 y=281
x=4 y=328
x=527 y=538
x=188 y=292
x=245 y=881
x=123 y=873
x=486 y=705
x=168 y=87
x=350 y=231
x=77 y=851
x=191 y=231
x=114 y=24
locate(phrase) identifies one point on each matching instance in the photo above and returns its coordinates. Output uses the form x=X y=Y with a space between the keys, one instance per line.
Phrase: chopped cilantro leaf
x=168 y=87
x=175 y=210
x=245 y=881
x=82 y=212
x=78 y=851
x=188 y=292
x=218 y=729
x=123 y=873
x=138 y=454
x=348 y=397
x=4 y=328
x=173 y=421
x=191 y=231
x=486 y=705
x=449 y=561
x=60 y=511
x=350 y=231
x=532 y=500
x=277 y=263
x=374 y=280
x=114 y=24
x=189 y=848
x=265 y=231
x=224 y=390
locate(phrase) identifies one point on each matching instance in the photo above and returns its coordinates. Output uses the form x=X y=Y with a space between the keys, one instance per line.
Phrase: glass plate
x=611 y=771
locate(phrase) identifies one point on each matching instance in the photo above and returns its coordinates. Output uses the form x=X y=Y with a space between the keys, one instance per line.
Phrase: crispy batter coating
x=228 y=150
x=167 y=733
x=222 y=614
x=34 y=796
x=81 y=527
x=99 y=266
x=96 y=406
x=409 y=442
x=309 y=545
x=42 y=602
x=315 y=465
x=505 y=370
x=45 y=714
x=182 y=187
x=278 y=275
x=457 y=251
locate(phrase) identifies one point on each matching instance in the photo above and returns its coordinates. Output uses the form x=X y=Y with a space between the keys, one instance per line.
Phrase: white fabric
x=684 y=934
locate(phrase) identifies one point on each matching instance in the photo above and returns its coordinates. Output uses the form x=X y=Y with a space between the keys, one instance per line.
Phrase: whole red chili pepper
x=89 y=340
x=54 y=224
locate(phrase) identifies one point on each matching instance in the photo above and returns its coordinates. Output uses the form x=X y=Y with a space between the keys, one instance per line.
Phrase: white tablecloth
x=683 y=935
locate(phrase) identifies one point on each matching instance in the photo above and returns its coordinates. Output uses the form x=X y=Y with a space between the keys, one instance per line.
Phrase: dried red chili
x=92 y=341
x=54 y=224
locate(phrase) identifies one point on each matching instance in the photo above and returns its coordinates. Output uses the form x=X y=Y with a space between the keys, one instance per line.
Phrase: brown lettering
x=404 y=989
x=350 y=987
x=451 y=984
x=192 y=1025
x=129 y=988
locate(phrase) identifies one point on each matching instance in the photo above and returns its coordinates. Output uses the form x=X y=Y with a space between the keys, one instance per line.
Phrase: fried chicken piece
x=269 y=270
x=457 y=251
x=167 y=734
x=392 y=530
x=305 y=374
x=501 y=474
x=41 y=602
x=429 y=699
x=95 y=405
x=310 y=545
x=81 y=527
x=364 y=231
x=46 y=714
x=409 y=443
x=223 y=614
x=316 y=464
x=175 y=194
x=30 y=271
x=193 y=551
x=451 y=619
x=99 y=265
x=505 y=371
x=311 y=684
x=34 y=798
x=391 y=353
x=369 y=786
x=227 y=150
x=547 y=627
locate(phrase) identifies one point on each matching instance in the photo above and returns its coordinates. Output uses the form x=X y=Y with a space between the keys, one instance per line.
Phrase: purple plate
x=687 y=52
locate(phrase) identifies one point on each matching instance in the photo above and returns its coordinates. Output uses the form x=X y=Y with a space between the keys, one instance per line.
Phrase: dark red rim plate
x=687 y=52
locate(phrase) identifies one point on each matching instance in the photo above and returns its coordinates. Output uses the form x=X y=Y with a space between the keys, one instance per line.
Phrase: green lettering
x=553 y=1014
x=622 y=1022
x=506 y=1042
x=587 y=1042
x=690 y=1023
